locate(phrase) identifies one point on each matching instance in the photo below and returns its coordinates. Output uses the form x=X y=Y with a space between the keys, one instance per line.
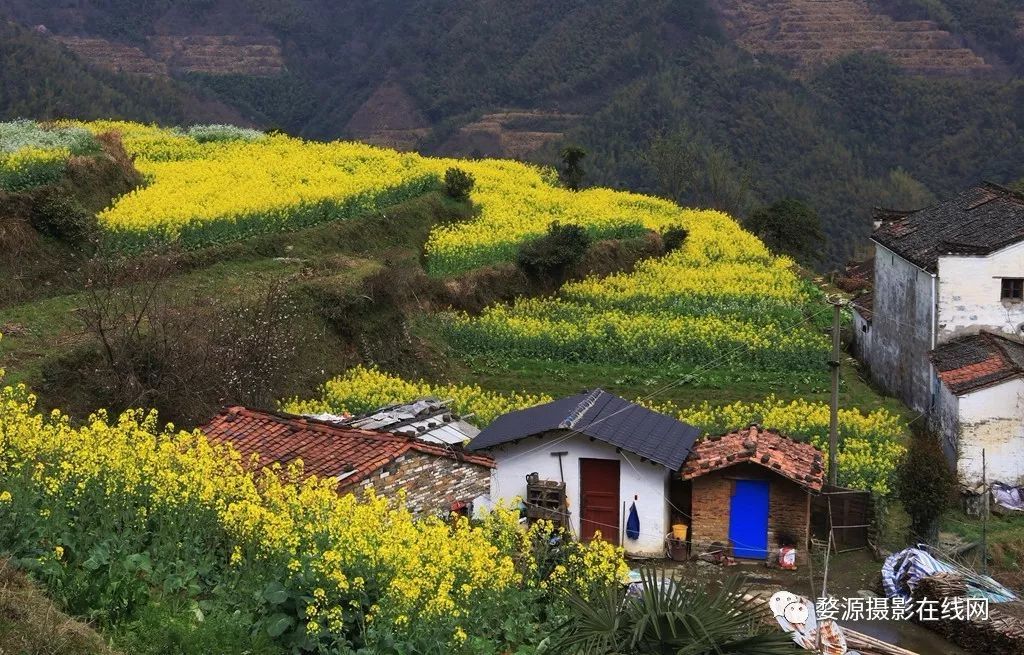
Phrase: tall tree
x=790 y=226
x=692 y=171
x=572 y=167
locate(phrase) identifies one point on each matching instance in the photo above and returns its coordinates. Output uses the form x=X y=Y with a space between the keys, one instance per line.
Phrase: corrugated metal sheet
x=429 y=419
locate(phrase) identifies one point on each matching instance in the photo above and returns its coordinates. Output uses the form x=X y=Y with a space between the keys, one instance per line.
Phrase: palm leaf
x=670 y=618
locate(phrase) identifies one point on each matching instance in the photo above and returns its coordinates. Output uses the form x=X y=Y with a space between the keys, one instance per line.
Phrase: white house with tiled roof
x=943 y=276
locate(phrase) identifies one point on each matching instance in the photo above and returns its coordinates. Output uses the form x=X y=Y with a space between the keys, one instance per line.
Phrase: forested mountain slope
x=724 y=103
x=39 y=78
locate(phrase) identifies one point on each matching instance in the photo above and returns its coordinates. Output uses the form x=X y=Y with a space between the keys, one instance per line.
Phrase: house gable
x=556 y=457
x=601 y=416
x=978 y=361
x=978 y=221
x=971 y=292
x=799 y=462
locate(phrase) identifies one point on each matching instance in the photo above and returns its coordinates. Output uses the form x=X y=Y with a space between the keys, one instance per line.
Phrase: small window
x=1013 y=289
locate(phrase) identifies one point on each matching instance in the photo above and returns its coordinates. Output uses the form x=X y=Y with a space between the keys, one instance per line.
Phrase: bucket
x=679 y=531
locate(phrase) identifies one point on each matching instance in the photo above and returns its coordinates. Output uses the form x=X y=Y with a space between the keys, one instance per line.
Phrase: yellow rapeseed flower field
x=323 y=568
x=363 y=389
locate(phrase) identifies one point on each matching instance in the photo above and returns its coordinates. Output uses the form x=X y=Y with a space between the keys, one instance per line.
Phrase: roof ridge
x=1001 y=342
x=581 y=409
x=1016 y=195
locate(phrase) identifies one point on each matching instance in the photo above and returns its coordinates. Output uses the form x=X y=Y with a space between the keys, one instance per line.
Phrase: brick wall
x=431 y=483
x=789 y=508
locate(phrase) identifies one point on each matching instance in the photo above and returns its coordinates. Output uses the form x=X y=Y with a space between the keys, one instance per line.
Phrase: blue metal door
x=748 y=519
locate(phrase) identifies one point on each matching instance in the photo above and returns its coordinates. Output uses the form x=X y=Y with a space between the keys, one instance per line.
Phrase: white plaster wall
x=992 y=419
x=897 y=352
x=648 y=482
x=970 y=290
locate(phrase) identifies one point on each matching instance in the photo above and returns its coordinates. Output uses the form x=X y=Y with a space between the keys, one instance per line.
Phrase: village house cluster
x=941 y=325
x=938 y=322
x=593 y=463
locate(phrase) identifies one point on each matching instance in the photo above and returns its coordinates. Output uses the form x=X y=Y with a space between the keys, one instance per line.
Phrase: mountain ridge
x=481 y=79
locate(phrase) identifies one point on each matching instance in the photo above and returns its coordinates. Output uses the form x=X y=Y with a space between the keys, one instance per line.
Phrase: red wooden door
x=599 y=499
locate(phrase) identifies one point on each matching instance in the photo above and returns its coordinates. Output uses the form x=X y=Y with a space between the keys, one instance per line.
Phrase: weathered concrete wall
x=647 y=482
x=945 y=422
x=897 y=353
x=860 y=342
x=992 y=419
x=789 y=508
x=970 y=290
x=431 y=483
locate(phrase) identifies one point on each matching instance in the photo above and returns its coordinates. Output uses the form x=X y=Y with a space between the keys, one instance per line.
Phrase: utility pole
x=984 y=515
x=833 y=419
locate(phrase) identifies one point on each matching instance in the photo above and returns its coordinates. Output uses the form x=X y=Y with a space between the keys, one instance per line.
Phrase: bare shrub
x=185 y=355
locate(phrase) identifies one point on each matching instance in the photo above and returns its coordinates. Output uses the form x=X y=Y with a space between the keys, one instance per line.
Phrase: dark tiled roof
x=603 y=416
x=326 y=450
x=865 y=305
x=798 y=461
x=977 y=361
x=884 y=214
x=857 y=276
x=978 y=221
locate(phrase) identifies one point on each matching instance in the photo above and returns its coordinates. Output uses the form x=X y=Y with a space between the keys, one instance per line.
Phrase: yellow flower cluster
x=367 y=558
x=553 y=329
x=209 y=192
x=722 y=297
x=363 y=389
x=31 y=167
x=871 y=444
x=518 y=201
x=202 y=191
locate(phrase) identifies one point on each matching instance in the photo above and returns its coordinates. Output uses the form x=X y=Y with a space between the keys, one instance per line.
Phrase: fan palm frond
x=670 y=618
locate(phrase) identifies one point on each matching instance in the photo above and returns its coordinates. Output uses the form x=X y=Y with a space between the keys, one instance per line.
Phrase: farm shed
x=608 y=452
x=434 y=476
x=751 y=489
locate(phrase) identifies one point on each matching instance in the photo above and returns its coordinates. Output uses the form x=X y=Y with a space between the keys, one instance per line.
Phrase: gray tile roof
x=977 y=221
x=976 y=361
x=603 y=416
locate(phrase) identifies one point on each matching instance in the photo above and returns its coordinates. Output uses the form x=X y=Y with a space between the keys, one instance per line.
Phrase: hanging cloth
x=633 y=523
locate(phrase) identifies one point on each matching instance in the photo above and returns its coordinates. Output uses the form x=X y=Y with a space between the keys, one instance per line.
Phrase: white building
x=981 y=406
x=944 y=275
x=609 y=452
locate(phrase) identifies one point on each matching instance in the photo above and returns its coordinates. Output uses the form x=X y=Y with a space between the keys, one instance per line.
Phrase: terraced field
x=814 y=32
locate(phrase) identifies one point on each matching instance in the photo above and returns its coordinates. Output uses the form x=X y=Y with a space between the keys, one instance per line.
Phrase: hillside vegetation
x=650 y=91
x=233 y=266
x=42 y=80
x=718 y=305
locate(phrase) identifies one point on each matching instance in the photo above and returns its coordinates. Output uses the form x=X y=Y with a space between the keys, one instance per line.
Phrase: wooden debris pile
x=1002 y=633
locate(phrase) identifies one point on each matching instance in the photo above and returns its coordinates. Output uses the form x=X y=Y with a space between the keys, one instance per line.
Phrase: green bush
x=162 y=629
x=673 y=238
x=59 y=217
x=549 y=257
x=924 y=484
x=458 y=183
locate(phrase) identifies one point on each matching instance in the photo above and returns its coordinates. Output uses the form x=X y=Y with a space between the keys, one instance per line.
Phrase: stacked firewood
x=1002 y=633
